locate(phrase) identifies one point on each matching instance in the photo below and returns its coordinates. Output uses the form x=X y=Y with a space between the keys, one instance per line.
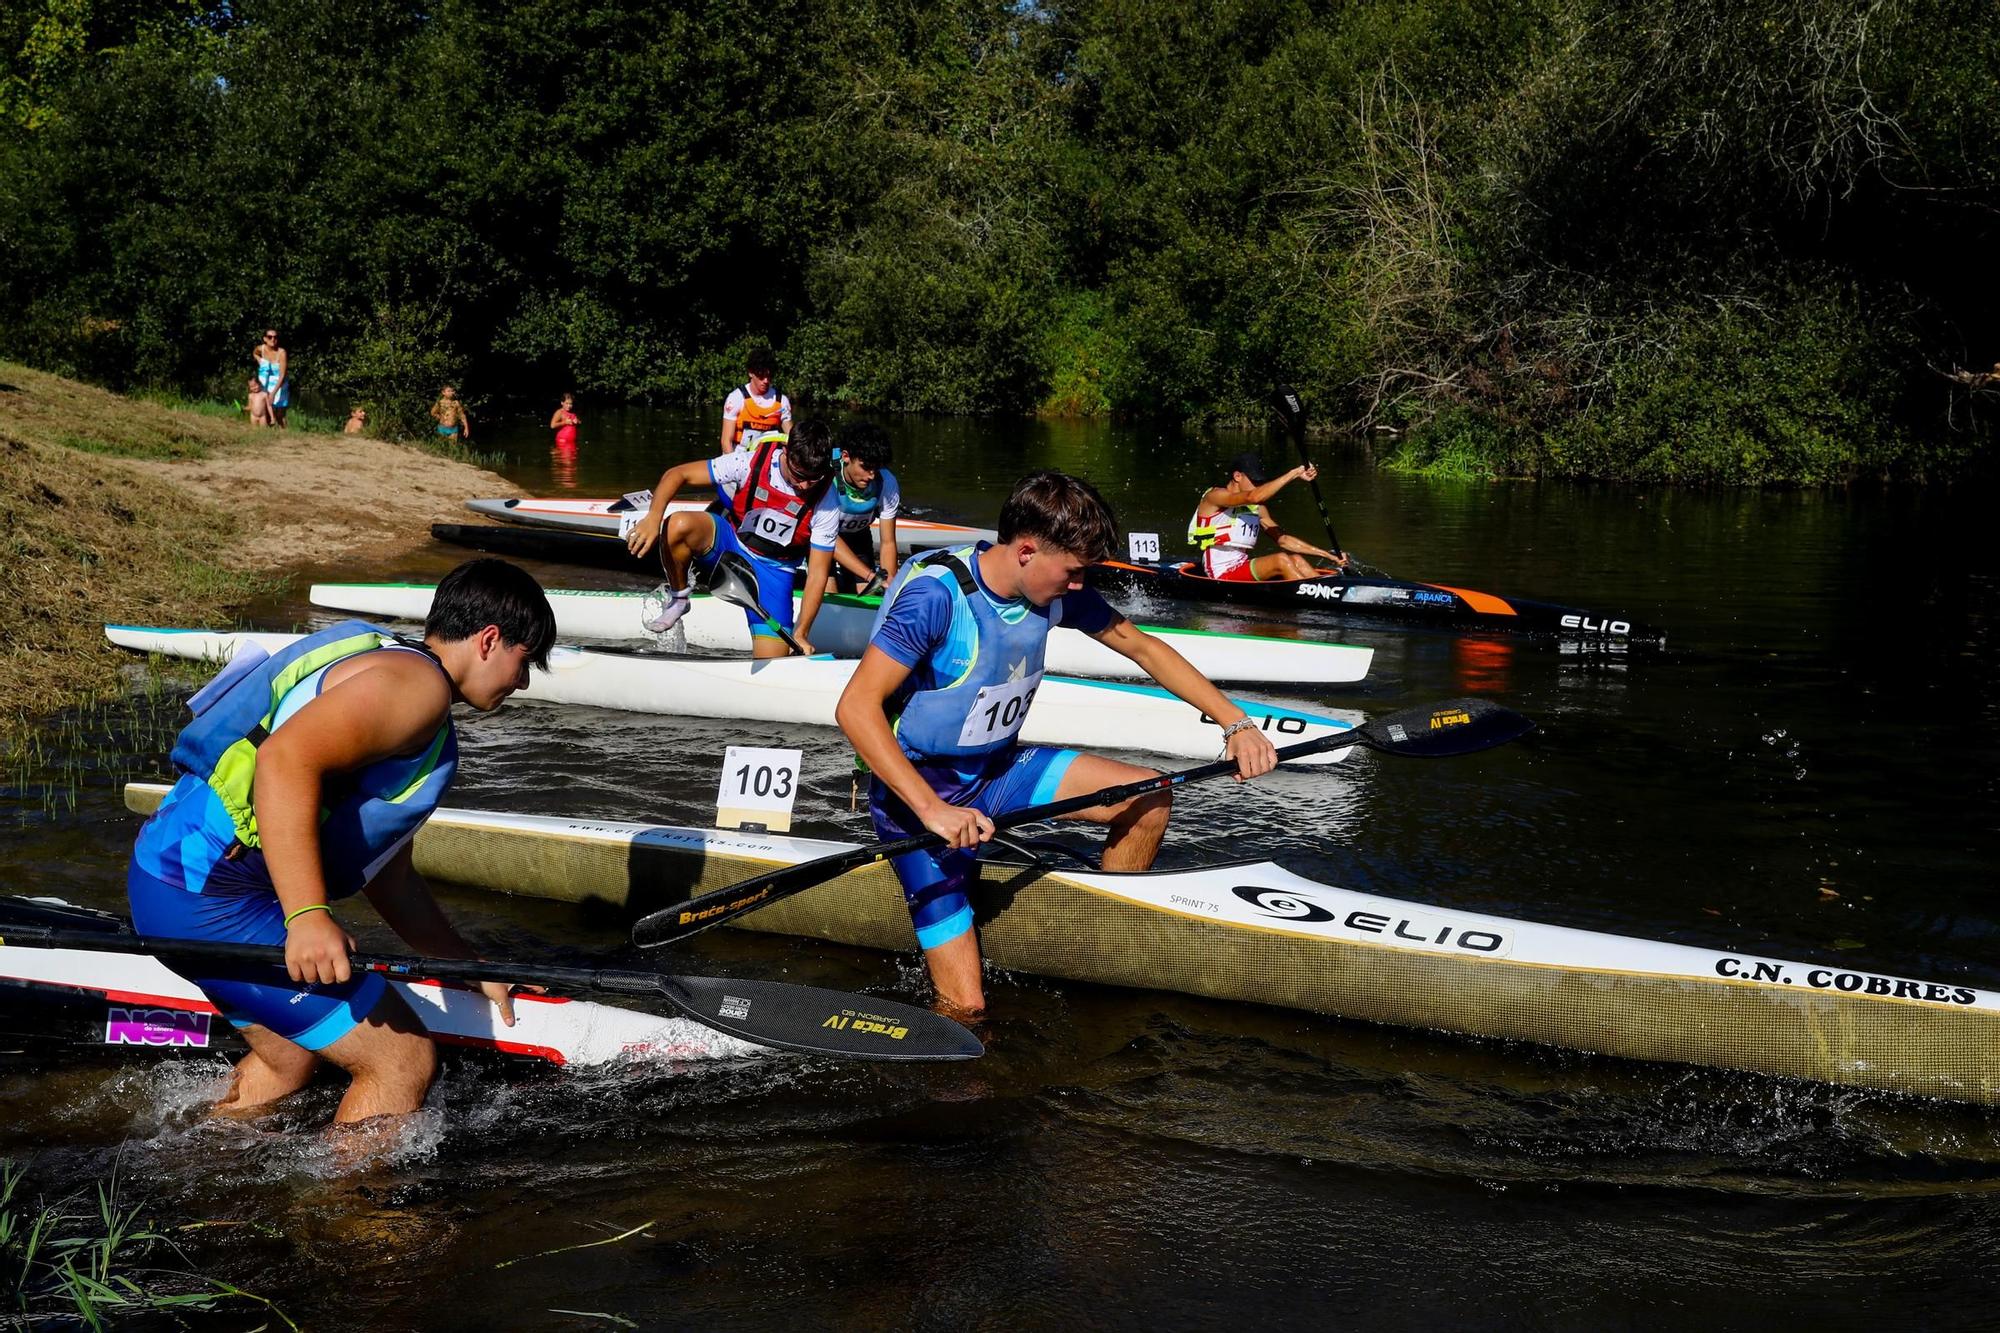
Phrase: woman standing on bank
x=274 y=373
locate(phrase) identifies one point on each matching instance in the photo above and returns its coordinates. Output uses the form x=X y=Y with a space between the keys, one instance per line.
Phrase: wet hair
x=866 y=441
x=1061 y=510
x=760 y=361
x=487 y=591
x=810 y=448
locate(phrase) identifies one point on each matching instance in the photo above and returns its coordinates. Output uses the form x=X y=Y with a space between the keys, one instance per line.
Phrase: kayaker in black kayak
x=1231 y=518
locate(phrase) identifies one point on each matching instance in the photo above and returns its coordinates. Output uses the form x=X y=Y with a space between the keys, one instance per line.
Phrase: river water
x=1807 y=770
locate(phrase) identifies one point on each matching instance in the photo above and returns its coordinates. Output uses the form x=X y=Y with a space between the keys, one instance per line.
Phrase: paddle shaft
x=612 y=980
x=725 y=904
x=1293 y=410
x=1460 y=726
x=767 y=1013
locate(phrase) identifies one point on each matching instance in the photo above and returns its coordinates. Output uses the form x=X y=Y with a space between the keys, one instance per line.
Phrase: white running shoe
x=662 y=608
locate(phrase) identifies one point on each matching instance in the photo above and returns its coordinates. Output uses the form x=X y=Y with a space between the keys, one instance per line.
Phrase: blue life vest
x=206 y=829
x=984 y=674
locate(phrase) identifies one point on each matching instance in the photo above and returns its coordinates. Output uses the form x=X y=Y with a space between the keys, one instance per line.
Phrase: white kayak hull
x=1079 y=714
x=1257 y=932
x=601 y=516
x=146 y=1004
x=844 y=622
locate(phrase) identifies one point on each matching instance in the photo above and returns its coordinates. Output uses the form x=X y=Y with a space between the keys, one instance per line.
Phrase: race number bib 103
x=773 y=525
x=758 y=787
x=998 y=712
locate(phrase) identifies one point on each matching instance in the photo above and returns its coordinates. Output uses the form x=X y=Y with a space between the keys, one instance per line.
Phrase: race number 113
x=758 y=787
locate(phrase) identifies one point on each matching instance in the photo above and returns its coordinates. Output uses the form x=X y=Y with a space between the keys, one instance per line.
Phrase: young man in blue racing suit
x=304 y=777
x=938 y=700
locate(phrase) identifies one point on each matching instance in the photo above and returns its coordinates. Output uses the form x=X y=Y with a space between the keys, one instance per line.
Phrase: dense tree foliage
x=1671 y=241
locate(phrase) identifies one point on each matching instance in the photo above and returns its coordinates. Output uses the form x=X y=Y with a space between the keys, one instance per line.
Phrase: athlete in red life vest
x=776 y=507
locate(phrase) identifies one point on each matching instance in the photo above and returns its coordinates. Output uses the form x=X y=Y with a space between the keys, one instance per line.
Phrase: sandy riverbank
x=119 y=509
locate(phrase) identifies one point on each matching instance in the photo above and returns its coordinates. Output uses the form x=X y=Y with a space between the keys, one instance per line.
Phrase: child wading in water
x=450 y=415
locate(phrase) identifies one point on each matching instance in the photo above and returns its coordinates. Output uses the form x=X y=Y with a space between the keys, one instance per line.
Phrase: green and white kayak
x=1080 y=714
x=843 y=624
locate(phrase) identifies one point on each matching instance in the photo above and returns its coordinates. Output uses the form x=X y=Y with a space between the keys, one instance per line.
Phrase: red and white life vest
x=1231 y=529
x=772 y=521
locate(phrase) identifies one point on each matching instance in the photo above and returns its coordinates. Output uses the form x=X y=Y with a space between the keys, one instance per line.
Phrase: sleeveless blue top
x=970 y=696
x=204 y=836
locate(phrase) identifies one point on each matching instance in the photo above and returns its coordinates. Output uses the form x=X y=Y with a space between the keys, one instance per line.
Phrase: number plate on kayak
x=758 y=787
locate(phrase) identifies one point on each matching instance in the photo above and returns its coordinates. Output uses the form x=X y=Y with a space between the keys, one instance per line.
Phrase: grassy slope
x=83 y=540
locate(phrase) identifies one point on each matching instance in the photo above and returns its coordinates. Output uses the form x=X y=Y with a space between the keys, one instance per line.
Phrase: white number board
x=1143 y=545
x=639 y=500
x=628 y=521
x=758 y=787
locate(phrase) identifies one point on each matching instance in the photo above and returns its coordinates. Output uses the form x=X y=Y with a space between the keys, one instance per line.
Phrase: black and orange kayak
x=1401 y=600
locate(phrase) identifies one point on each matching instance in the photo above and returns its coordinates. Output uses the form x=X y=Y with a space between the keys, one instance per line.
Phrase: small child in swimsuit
x=450 y=415
x=259 y=403
x=357 y=422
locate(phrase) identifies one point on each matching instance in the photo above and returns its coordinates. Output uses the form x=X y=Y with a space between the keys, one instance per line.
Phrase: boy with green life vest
x=950 y=672
x=304 y=776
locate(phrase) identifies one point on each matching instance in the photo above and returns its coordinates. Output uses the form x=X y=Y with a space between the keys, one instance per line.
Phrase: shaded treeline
x=1674 y=241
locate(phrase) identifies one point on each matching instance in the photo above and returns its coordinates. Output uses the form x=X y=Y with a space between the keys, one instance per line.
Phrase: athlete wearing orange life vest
x=756 y=409
x=1231 y=518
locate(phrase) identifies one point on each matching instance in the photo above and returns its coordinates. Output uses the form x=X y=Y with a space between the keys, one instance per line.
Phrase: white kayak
x=137 y=1001
x=606 y=515
x=1257 y=932
x=1080 y=714
x=843 y=625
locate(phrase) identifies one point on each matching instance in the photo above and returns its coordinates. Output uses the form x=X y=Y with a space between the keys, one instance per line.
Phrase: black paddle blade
x=820 y=1022
x=733 y=580
x=1438 y=731
x=1291 y=408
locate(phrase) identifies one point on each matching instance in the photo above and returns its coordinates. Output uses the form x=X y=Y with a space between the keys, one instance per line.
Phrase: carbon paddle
x=1293 y=410
x=1458 y=726
x=768 y=1013
x=732 y=580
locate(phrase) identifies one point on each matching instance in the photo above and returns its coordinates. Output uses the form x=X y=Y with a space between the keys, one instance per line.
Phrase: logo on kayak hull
x=155 y=1027
x=1409 y=929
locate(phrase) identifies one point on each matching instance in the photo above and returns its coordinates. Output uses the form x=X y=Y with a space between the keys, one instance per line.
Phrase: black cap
x=1251 y=466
